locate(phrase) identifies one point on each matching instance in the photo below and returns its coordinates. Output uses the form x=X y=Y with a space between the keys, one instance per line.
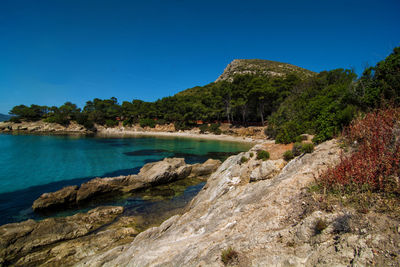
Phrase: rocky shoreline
x=56 y=241
x=151 y=174
x=241 y=134
x=273 y=221
x=261 y=210
x=65 y=240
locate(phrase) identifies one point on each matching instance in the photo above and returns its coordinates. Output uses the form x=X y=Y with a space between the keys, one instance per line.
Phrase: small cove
x=31 y=165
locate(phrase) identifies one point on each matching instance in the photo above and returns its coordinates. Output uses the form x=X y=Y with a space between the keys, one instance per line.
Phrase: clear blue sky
x=76 y=50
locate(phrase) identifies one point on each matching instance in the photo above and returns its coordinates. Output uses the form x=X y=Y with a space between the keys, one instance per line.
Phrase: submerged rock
x=161 y=172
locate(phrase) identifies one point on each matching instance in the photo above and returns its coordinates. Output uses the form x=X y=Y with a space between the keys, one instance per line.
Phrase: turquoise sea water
x=31 y=164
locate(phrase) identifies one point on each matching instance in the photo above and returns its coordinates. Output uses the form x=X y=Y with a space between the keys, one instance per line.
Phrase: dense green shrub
x=307 y=148
x=288 y=155
x=214 y=128
x=89 y=125
x=270 y=131
x=262 y=154
x=83 y=119
x=58 y=118
x=161 y=122
x=297 y=149
x=203 y=128
x=15 y=120
x=288 y=132
x=243 y=159
x=126 y=123
x=298 y=139
x=147 y=122
x=182 y=126
x=111 y=123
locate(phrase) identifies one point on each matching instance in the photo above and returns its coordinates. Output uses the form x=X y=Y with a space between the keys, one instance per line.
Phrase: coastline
x=119 y=132
x=243 y=135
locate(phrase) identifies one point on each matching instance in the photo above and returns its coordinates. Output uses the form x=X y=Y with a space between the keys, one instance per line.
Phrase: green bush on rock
x=262 y=154
x=288 y=155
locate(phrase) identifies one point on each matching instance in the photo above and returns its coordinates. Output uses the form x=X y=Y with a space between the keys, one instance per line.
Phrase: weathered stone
x=99 y=186
x=161 y=171
x=165 y=171
x=57 y=199
x=267 y=170
x=206 y=168
x=63 y=253
x=19 y=239
x=43 y=127
x=255 y=219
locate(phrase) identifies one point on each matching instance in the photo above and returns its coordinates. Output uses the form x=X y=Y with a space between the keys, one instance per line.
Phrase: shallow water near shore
x=32 y=164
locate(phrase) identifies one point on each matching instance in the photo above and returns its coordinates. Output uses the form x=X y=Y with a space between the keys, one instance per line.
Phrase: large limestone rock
x=60 y=198
x=266 y=222
x=161 y=172
x=17 y=240
x=167 y=170
x=100 y=186
x=267 y=170
x=205 y=169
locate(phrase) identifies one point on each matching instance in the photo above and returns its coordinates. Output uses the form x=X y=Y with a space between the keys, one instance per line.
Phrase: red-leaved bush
x=376 y=162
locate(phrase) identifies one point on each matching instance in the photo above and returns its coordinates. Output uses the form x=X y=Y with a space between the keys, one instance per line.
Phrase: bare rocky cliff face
x=272 y=222
x=261 y=67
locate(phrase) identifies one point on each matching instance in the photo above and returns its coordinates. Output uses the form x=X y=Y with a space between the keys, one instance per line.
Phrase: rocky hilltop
x=261 y=67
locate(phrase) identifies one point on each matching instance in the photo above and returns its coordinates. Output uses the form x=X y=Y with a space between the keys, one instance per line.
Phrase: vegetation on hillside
x=290 y=105
x=368 y=177
x=375 y=164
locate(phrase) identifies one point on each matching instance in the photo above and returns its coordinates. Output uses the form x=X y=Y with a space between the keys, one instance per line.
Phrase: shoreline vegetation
x=289 y=104
x=238 y=134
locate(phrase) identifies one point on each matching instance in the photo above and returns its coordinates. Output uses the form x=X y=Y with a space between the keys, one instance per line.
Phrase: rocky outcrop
x=267 y=169
x=165 y=171
x=43 y=127
x=63 y=197
x=261 y=67
x=34 y=242
x=205 y=169
x=269 y=223
x=272 y=222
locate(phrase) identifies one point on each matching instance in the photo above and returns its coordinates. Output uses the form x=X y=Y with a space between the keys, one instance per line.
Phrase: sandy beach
x=119 y=132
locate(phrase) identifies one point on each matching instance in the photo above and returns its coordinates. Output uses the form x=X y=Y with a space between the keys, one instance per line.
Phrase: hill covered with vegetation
x=291 y=103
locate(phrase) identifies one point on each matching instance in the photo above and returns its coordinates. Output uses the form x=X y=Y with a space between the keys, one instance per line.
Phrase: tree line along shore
x=321 y=104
